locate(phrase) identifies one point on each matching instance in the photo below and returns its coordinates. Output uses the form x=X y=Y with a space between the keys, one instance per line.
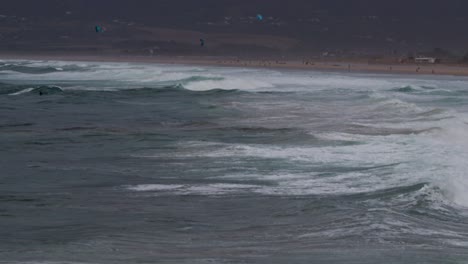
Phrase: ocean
x=151 y=163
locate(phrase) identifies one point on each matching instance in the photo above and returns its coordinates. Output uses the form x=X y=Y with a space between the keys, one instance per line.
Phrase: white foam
x=376 y=151
x=229 y=84
x=218 y=189
x=136 y=75
x=194 y=189
x=380 y=163
x=154 y=187
x=446 y=159
x=438 y=157
x=398 y=105
x=27 y=90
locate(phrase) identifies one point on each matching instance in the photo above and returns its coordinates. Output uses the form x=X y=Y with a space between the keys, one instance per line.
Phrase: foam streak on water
x=124 y=163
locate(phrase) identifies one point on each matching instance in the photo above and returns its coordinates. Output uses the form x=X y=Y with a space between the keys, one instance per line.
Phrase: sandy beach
x=314 y=64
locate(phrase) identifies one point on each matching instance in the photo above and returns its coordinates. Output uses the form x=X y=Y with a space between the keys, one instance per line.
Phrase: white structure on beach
x=430 y=60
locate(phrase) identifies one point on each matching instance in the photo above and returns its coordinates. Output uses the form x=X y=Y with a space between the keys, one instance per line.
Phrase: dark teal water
x=136 y=163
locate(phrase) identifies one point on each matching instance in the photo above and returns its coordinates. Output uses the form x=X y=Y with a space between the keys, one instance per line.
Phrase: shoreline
x=348 y=66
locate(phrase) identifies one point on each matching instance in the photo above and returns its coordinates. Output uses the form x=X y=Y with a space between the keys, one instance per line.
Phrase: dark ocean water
x=135 y=163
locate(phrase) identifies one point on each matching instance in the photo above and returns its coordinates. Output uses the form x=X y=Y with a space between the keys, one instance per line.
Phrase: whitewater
x=153 y=163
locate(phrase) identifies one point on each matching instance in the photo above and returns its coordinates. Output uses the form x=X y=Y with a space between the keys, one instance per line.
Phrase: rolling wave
x=131 y=156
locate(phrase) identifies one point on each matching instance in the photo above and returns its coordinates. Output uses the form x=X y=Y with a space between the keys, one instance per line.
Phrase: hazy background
x=289 y=28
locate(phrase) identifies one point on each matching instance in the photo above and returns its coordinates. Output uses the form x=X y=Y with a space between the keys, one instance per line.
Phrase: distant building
x=429 y=60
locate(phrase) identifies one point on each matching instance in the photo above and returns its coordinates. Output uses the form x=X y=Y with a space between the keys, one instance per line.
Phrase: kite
x=99 y=29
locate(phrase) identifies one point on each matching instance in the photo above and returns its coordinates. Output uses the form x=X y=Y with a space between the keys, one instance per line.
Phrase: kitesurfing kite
x=99 y=29
x=259 y=17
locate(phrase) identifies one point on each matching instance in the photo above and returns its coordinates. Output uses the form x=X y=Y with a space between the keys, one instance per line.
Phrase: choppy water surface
x=135 y=163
